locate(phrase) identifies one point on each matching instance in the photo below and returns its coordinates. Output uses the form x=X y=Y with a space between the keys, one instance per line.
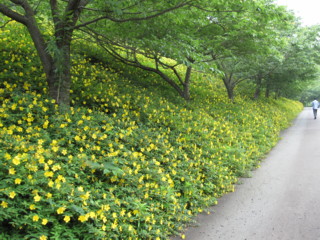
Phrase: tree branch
x=134 y=18
x=12 y=14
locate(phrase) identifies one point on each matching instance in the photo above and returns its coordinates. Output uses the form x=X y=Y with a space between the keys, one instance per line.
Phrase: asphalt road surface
x=281 y=201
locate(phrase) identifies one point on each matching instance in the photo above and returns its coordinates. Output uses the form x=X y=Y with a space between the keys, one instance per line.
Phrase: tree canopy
x=255 y=35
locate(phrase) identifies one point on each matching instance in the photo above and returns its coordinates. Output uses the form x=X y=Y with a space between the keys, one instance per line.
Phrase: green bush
x=125 y=162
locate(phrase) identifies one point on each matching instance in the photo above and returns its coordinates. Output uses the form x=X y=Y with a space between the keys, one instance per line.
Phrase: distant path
x=282 y=199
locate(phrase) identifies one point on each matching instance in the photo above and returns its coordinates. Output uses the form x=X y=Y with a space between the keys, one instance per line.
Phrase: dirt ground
x=281 y=201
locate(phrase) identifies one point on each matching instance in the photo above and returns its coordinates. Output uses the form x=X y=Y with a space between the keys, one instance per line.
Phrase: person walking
x=315 y=106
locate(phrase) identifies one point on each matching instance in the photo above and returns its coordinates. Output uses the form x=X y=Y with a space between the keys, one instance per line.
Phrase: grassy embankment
x=130 y=160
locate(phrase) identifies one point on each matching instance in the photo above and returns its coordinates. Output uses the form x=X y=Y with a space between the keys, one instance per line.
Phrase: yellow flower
x=135 y=212
x=35 y=218
x=4 y=204
x=61 y=178
x=114 y=225
x=66 y=219
x=32 y=207
x=123 y=212
x=85 y=196
x=48 y=174
x=12 y=194
x=7 y=156
x=61 y=210
x=77 y=138
x=83 y=218
x=50 y=184
x=17 y=181
x=55 y=148
x=49 y=195
x=37 y=198
x=43 y=237
x=44 y=221
x=12 y=171
x=92 y=214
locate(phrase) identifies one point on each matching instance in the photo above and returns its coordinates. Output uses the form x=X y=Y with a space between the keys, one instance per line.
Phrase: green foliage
x=125 y=162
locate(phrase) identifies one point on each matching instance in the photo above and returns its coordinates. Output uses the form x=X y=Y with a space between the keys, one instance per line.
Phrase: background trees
x=241 y=40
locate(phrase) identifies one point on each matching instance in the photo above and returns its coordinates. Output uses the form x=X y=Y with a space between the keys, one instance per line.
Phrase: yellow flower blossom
x=92 y=215
x=35 y=218
x=55 y=148
x=32 y=207
x=37 y=198
x=48 y=174
x=83 y=218
x=16 y=160
x=50 y=183
x=66 y=219
x=56 y=167
x=43 y=237
x=7 y=156
x=17 y=181
x=44 y=221
x=12 y=171
x=77 y=138
x=61 y=210
x=85 y=196
x=4 y=204
x=12 y=194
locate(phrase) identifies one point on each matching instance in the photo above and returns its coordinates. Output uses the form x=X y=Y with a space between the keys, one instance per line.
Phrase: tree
x=192 y=36
x=53 y=39
x=255 y=39
x=299 y=65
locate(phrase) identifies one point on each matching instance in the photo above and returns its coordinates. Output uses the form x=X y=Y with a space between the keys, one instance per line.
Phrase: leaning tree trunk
x=56 y=64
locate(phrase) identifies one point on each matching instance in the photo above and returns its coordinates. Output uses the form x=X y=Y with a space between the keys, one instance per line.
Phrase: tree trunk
x=229 y=87
x=267 y=95
x=186 y=85
x=258 y=87
x=59 y=78
x=56 y=63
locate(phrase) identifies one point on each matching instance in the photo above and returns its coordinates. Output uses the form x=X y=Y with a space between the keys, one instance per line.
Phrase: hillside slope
x=130 y=160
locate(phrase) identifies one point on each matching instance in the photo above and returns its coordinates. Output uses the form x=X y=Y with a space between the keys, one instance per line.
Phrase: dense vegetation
x=130 y=159
x=255 y=41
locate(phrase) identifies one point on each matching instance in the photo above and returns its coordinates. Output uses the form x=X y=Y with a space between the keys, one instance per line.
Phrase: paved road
x=282 y=199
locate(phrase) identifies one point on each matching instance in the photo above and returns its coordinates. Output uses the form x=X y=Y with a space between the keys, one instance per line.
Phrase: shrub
x=125 y=162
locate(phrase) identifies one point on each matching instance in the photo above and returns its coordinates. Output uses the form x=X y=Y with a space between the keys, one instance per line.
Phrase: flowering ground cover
x=129 y=160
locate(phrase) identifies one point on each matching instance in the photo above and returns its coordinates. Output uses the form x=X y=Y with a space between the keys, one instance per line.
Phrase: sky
x=307 y=10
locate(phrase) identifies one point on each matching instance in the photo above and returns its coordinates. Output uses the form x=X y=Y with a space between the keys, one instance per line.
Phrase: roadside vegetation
x=129 y=159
